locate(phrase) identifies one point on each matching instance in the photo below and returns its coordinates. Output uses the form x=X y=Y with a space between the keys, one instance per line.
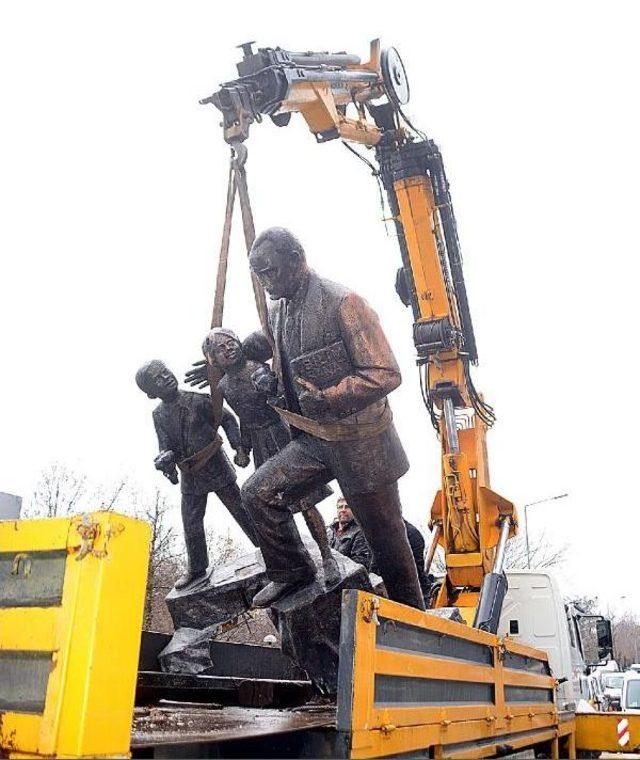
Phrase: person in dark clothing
x=332 y=371
x=188 y=440
x=416 y=542
x=346 y=536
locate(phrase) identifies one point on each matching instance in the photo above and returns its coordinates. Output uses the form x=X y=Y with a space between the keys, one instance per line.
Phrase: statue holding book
x=332 y=370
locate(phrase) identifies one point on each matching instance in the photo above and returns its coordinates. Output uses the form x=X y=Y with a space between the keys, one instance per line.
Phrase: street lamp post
x=526 y=520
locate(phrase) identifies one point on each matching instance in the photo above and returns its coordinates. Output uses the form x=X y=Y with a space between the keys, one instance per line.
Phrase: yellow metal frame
x=381 y=731
x=93 y=635
x=465 y=506
x=598 y=732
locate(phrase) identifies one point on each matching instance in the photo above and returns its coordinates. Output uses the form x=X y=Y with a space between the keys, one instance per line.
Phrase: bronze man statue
x=187 y=438
x=262 y=430
x=333 y=370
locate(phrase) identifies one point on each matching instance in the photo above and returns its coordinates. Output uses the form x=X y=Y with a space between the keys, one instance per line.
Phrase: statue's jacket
x=186 y=426
x=331 y=337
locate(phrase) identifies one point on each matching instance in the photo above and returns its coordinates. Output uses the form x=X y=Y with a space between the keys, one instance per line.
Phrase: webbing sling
x=236 y=185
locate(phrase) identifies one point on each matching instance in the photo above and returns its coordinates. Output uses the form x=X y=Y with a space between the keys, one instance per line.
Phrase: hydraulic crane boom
x=341 y=97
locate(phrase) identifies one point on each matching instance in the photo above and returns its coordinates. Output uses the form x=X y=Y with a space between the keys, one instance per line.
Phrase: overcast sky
x=112 y=183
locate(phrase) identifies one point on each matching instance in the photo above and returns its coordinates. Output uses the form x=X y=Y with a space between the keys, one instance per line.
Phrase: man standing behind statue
x=333 y=370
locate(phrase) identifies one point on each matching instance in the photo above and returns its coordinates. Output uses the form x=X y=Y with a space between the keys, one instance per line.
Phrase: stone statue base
x=308 y=619
x=309 y=622
x=223 y=594
x=188 y=651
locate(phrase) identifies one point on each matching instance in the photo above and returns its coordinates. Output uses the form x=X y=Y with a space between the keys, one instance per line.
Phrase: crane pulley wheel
x=394 y=76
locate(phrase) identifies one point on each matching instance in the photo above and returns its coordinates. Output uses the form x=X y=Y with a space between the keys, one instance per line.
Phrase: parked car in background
x=630 y=700
x=612 y=690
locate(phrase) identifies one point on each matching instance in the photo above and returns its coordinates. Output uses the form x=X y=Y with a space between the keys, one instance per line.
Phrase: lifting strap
x=236 y=185
x=221 y=279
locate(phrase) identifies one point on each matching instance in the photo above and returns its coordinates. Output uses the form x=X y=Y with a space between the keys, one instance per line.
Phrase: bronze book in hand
x=325 y=366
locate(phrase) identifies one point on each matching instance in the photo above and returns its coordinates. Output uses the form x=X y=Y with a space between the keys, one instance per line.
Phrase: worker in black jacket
x=416 y=542
x=346 y=536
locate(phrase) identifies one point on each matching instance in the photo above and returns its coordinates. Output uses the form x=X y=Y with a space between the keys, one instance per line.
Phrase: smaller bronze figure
x=262 y=430
x=188 y=441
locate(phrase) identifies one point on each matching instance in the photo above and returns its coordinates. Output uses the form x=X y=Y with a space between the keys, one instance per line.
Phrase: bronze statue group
x=319 y=412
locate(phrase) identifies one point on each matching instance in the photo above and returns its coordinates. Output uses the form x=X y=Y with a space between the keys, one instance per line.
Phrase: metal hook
x=23 y=560
x=239 y=154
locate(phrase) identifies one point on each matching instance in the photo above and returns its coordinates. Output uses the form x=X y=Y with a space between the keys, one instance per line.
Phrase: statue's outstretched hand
x=198 y=374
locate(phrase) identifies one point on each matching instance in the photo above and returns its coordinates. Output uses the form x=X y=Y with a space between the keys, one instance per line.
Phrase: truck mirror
x=605 y=638
x=596 y=641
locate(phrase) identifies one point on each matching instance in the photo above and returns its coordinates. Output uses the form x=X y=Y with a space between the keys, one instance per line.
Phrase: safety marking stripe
x=623 y=732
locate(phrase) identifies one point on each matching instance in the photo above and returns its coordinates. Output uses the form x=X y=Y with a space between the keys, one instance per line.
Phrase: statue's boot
x=275 y=590
x=191 y=576
x=331 y=572
x=318 y=531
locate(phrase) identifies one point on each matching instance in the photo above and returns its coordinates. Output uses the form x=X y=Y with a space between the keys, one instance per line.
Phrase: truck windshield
x=633 y=695
x=612 y=682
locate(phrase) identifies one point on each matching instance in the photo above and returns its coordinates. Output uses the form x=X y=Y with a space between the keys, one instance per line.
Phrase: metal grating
x=402 y=691
x=23 y=681
x=398 y=636
x=528 y=664
x=527 y=694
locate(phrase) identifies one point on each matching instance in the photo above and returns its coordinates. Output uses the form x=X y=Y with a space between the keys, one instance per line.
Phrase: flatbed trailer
x=232 y=731
x=410 y=683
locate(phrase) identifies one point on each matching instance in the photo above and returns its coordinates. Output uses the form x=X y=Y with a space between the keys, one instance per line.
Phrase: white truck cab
x=534 y=612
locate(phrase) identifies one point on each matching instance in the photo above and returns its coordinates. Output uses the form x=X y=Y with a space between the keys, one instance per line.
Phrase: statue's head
x=222 y=347
x=156 y=380
x=277 y=258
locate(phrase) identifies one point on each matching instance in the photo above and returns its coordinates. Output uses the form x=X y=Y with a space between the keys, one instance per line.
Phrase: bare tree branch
x=57 y=493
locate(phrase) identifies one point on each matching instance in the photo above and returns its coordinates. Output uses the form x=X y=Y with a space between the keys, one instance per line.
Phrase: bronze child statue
x=187 y=438
x=262 y=431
